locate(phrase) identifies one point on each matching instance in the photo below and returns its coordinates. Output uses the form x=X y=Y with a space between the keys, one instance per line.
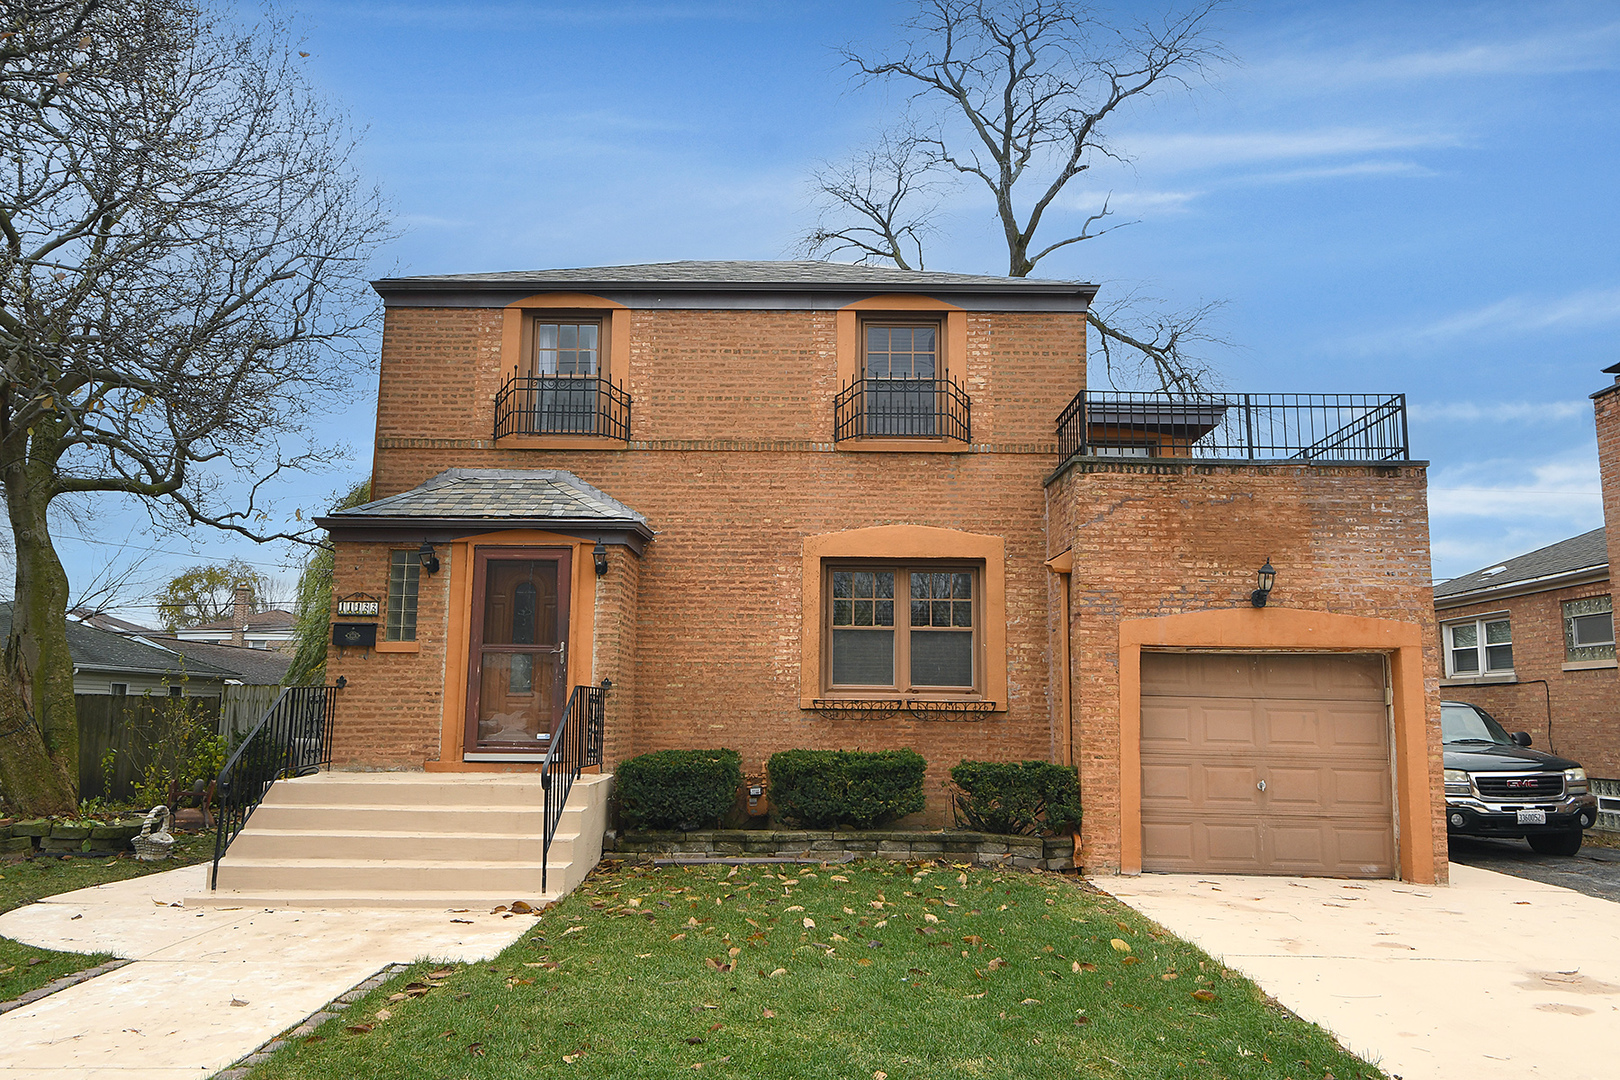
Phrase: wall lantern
x=430 y=561
x=600 y=554
x=1268 y=578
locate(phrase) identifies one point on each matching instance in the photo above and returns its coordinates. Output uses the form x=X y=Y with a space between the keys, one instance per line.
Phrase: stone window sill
x=1590 y=665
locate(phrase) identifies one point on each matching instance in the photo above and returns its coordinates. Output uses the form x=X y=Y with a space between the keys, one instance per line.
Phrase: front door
x=517 y=683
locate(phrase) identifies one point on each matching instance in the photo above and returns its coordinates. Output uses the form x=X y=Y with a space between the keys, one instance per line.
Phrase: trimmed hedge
x=1030 y=797
x=822 y=789
x=677 y=789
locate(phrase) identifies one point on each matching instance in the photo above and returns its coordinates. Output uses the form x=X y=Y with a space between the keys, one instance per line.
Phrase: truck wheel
x=1564 y=843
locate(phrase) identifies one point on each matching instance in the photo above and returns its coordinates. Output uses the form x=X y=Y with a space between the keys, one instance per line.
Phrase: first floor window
x=1589 y=629
x=404 y=569
x=1479 y=647
x=902 y=628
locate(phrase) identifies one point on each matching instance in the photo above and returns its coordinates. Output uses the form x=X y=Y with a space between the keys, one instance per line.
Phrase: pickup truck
x=1497 y=786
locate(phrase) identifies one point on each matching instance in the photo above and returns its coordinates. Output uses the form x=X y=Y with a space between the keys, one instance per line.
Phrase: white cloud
x=1483 y=512
x=1333 y=172
x=1190 y=151
x=1523 y=314
x=1527 y=412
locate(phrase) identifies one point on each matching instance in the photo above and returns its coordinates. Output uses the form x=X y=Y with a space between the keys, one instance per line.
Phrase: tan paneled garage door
x=1256 y=763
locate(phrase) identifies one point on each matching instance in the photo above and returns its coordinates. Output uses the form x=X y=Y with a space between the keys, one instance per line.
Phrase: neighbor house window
x=1480 y=647
x=120 y=689
x=404 y=569
x=907 y=628
x=1589 y=629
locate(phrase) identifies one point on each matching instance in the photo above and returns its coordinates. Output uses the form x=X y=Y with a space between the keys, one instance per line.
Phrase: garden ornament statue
x=154 y=843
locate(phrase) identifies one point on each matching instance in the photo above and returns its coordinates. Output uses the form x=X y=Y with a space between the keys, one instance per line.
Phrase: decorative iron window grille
x=1252 y=427
x=562 y=405
x=903 y=409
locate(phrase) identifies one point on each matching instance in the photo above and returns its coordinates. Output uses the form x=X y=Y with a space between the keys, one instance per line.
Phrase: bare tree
x=1015 y=96
x=182 y=251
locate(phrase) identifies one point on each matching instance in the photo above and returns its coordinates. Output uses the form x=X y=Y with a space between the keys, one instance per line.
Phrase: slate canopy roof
x=1586 y=552
x=463 y=502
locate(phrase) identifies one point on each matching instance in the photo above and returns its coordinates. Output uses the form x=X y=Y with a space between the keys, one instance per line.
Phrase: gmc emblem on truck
x=1521 y=783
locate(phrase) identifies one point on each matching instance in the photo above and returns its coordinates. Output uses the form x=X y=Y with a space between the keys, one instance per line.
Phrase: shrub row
x=826 y=789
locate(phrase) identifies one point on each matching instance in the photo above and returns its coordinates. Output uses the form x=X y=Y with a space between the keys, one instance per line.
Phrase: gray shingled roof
x=104 y=651
x=274 y=619
x=256 y=667
x=734 y=274
x=1583 y=552
x=497 y=495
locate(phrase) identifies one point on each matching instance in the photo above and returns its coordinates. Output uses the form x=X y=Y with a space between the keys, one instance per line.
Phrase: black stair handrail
x=576 y=742
x=292 y=738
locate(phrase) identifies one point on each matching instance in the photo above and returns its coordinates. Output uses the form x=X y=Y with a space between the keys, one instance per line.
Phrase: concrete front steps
x=409 y=840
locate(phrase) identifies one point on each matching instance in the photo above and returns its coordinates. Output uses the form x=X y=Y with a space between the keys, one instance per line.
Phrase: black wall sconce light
x=599 y=553
x=1268 y=578
x=430 y=561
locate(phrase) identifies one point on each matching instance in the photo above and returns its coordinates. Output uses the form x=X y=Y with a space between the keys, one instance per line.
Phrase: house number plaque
x=358 y=605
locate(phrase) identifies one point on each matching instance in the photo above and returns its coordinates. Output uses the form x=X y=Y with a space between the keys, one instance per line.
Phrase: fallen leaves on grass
x=1120 y=946
x=1203 y=995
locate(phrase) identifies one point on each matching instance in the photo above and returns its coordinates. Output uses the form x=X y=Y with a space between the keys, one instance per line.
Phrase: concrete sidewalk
x=1491 y=978
x=170 y=1015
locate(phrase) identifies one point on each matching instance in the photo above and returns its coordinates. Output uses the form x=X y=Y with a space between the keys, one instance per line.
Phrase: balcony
x=903 y=409
x=1235 y=427
x=562 y=405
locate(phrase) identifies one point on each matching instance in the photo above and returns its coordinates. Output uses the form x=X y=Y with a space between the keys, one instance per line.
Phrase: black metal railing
x=293 y=738
x=576 y=742
x=562 y=405
x=1253 y=427
x=903 y=409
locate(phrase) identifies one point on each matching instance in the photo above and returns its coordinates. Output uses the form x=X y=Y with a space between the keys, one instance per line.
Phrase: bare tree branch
x=1144 y=344
x=868 y=204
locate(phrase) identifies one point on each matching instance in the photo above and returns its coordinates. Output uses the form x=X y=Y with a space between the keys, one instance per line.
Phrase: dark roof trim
x=1564 y=579
x=413 y=530
x=745 y=297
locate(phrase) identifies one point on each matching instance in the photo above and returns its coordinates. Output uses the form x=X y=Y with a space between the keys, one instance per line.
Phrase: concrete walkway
x=1491 y=978
x=209 y=986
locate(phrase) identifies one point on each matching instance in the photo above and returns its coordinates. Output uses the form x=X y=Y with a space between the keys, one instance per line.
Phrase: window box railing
x=1245 y=427
x=562 y=405
x=903 y=409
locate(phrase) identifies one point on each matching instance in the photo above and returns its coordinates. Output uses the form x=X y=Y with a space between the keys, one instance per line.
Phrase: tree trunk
x=38 y=665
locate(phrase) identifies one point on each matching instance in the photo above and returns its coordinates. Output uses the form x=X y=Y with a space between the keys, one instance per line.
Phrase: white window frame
x=1480 y=646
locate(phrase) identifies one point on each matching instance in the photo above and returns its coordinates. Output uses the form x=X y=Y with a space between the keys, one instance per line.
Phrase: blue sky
x=1386 y=197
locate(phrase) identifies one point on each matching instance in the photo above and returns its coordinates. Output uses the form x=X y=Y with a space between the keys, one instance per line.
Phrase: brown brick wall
x=1606 y=412
x=1153 y=540
x=1583 y=706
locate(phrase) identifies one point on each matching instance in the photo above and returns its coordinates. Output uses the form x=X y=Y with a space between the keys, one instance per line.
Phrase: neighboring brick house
x=1531 y=639
x=811 y=505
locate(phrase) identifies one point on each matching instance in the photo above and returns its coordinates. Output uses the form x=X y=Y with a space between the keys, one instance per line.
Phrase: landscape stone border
x=308 y=1025
x=985 y=849
x=59 y=838
x=63 y=983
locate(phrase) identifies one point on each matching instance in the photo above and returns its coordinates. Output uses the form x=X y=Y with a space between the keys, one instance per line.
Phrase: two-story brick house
x=812 y=505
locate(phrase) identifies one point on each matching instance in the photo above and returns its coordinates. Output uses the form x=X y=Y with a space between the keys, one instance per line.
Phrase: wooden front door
x=517 y=683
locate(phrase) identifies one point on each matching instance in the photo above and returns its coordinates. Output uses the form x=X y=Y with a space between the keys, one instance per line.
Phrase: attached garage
x=1267 y=763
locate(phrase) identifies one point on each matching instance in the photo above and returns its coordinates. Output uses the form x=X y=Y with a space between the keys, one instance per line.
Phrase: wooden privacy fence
x=128 y=725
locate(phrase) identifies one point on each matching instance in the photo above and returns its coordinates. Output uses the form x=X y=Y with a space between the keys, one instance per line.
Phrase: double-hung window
x=567 y=360
x=1589 y=629
x=404 y=570
x=902 y=628
x=901 y=364
x=1479 y=647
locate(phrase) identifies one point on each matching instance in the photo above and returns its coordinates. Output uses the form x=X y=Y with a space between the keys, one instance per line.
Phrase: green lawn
x=868 y=970
x=23 y=967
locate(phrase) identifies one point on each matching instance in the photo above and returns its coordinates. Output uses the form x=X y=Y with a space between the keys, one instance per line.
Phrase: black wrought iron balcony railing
x=562 y=405
x=1252 y=427
x=903 y=409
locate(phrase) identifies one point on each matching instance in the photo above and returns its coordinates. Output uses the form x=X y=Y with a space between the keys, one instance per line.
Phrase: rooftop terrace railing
x=1244 y=427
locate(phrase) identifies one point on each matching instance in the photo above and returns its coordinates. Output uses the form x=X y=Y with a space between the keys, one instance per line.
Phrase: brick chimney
x=1606 y=410
x=239 y=613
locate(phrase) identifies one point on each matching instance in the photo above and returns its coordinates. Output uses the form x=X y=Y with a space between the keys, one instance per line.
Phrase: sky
x=1381 y=197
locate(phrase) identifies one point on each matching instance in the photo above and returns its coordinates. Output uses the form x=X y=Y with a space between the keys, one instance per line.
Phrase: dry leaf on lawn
x=1120 y=946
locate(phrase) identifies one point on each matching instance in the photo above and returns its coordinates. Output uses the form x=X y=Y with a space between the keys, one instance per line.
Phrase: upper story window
x=562 y=388
x=902 y=390
x=1589 y=629
x=1479 y=647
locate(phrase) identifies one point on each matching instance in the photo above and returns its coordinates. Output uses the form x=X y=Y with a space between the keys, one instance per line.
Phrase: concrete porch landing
x=409 y=840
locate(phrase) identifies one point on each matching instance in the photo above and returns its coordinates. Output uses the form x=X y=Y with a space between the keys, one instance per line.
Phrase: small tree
x=314 y=606
x=1015 y=97
x=183 y=247
x=205 y=594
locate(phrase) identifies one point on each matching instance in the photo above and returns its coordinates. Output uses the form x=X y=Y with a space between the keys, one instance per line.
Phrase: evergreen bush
x=822 y=789
x=677 y=789
x=1028 y=797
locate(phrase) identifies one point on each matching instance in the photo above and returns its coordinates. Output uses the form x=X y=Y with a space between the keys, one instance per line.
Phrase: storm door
x=518 y=679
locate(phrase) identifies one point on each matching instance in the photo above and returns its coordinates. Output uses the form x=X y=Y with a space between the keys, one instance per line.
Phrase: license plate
x=1532 y=817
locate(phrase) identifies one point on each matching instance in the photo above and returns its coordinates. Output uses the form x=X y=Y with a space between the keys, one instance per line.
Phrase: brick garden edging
x=986 y=849
x=59 y=837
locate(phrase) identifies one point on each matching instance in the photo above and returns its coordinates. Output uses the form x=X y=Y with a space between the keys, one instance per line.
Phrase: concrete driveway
x=1594 y=870
x=209 y=986
x=1491 y=978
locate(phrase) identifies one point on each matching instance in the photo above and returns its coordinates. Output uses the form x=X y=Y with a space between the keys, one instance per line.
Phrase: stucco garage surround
x=1262 y=631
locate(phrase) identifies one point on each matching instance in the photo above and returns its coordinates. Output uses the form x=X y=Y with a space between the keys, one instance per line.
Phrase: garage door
x=1266 y=764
